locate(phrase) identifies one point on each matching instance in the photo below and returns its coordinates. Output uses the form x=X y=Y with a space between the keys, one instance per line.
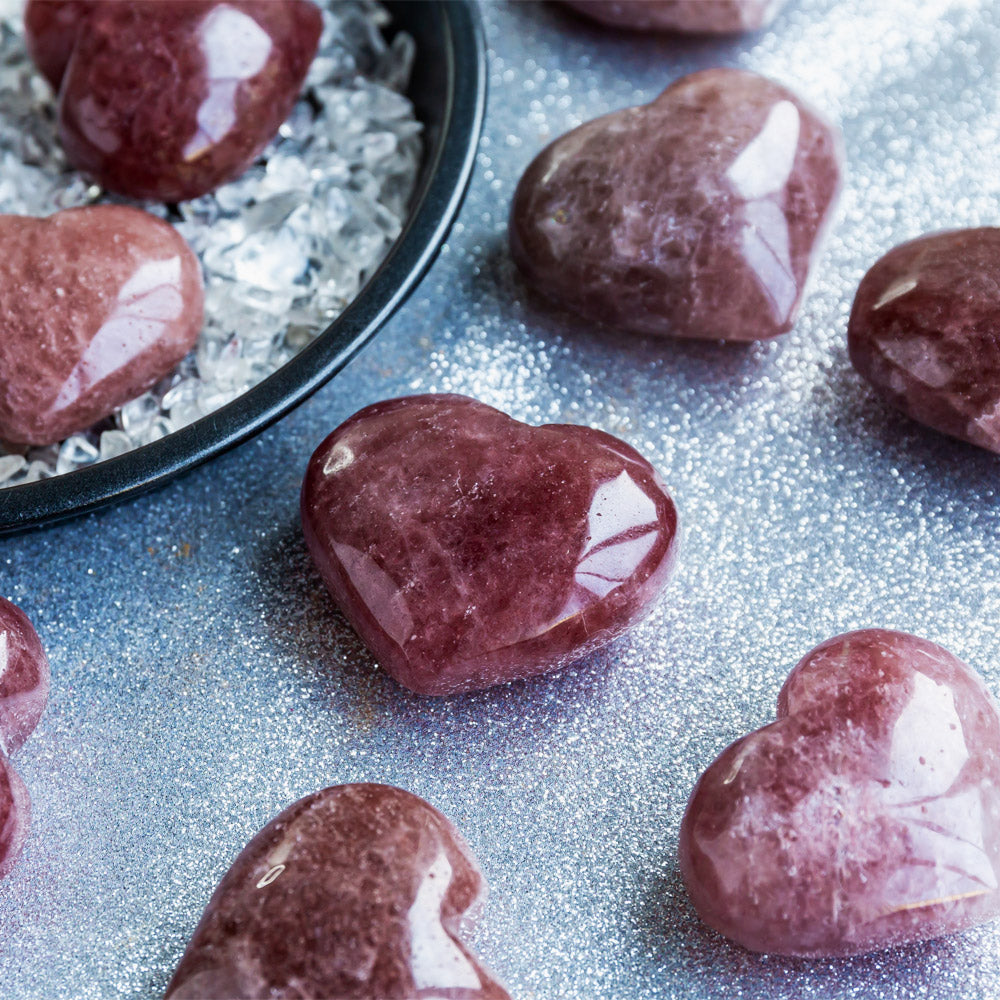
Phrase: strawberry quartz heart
x=720 y=17
x=24 y=689
x=925 y=332
x=168 y=100
x=97 y=305
x=867 y=816
x=468 y=549
x=357 y=892
x=698 y=215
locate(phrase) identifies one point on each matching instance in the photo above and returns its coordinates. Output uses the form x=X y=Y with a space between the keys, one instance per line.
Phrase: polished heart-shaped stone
x=24 y=689
x=698 y=215
x=98 y=304
x=702 y=17
x=358 y=892
x=925 y=332
x=867 y=816
x=167 y=100
x=468 y=549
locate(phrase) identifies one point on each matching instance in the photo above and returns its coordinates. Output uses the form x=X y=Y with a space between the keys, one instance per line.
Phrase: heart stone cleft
x=468 y=549
x=867 y=816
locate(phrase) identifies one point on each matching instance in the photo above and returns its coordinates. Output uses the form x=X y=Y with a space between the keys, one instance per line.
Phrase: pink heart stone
x=468 y=549
x=24 y=689
x=867 y=816
x=358 y=892
x=168 y=100
x=718 y=17
x=97 y=304
x=925 y=332
x=698 y=215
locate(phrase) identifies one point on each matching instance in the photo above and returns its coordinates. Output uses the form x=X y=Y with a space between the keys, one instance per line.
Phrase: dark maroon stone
x=867 y=816
x=468 y=549
x=711 y=17
x=24 y=689
x=97 y=304
x=925 y=332
x=698 y=215
x=168 y=100
x=358 y=892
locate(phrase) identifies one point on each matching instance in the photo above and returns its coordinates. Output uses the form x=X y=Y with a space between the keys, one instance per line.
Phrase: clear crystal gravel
x=201 y=681
x=284 y=248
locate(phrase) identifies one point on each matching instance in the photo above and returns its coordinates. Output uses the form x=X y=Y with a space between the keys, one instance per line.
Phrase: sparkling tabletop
x=202 y=681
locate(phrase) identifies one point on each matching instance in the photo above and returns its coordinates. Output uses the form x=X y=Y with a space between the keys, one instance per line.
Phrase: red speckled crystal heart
x=718 y=17
x=867 y=816
x=698 y=215
x=24 y=689
x=925 y=332
x=468 y=549
x=97 y=304
x=166 y=101
x=355 y=893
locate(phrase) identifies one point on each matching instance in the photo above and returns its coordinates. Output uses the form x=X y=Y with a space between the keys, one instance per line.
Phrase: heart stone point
x=866 y=816
x=468 y=549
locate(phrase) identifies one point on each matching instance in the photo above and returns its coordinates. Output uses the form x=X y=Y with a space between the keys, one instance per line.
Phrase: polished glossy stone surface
x=24 y=689
x=468 y=549
x=358 y=892
x=167 y=100
x=24 y=677
x=925 y=332
x=97 y=304
x=712 y=17
x=698 y=215
x=867 y=816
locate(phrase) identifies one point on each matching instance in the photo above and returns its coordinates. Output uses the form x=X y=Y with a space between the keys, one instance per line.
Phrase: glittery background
x=202 y=681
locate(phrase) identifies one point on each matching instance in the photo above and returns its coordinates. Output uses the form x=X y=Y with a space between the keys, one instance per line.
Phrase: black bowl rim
x=435 y=208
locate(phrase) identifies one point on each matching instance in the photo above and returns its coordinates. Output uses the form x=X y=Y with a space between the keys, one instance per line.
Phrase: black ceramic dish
x=449 y=92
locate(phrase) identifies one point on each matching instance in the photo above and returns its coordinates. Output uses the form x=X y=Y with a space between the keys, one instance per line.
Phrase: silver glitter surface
x=202 y=681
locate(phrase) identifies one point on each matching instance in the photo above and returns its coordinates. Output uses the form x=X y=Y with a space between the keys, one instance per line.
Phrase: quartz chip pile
x=283 y=248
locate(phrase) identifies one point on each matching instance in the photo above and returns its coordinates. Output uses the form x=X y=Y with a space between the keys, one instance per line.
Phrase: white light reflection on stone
x=436 y=960
x=148 y=301
x=236 y=48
